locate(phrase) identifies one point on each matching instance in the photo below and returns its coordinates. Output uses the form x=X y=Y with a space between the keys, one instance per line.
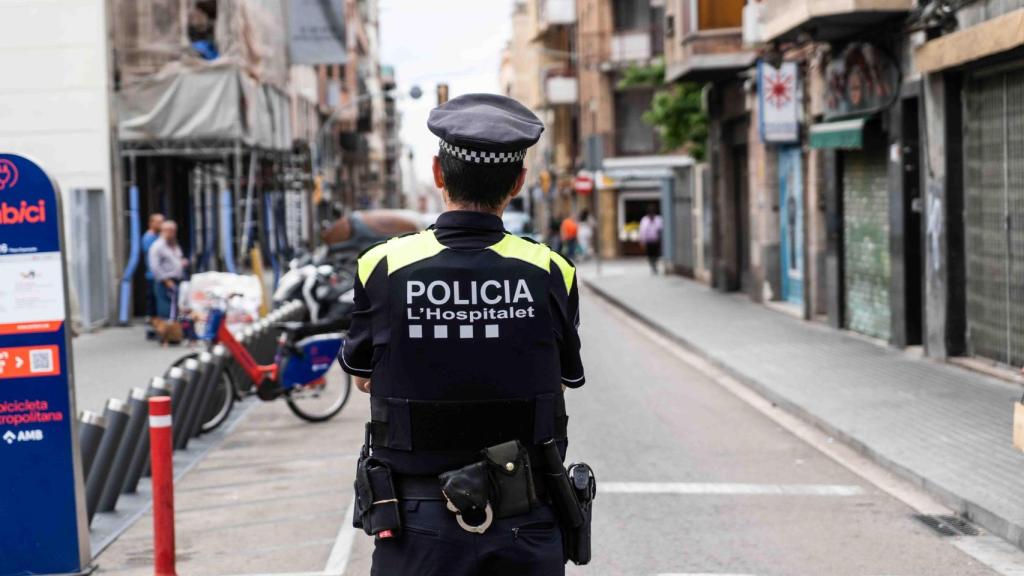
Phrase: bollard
x=90 y=434
x=196 y=406
x=116 y=414
x=140 y=456
x=161 y=441
x=206 y=391
x=176 y=383
x=184 y=401
x=125 y=451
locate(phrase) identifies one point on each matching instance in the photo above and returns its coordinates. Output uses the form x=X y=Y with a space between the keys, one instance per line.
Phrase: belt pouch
x=376 y=500
x=384 y=514
x=509 y=467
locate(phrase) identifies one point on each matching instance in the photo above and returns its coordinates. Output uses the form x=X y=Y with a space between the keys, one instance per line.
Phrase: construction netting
x=203 y=70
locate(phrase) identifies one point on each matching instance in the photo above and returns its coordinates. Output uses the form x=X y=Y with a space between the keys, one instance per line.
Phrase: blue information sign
x=43 y=528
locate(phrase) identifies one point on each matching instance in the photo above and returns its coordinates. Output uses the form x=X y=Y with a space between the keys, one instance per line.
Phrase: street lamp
x=415 y=92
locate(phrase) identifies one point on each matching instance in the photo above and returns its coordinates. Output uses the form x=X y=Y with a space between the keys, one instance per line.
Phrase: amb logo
x=8 y=174
x=23 y=436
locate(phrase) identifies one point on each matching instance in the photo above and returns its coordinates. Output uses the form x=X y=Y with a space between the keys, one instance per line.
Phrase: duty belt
x=403 y=424
x=408 y=487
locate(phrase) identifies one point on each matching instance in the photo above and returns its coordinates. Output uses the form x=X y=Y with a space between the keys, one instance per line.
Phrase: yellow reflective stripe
x=568 y=271
x=368 y=261
x=411 y=249
x=512 y=246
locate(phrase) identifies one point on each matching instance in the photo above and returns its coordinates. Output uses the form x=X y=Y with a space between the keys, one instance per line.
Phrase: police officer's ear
x=438 y=174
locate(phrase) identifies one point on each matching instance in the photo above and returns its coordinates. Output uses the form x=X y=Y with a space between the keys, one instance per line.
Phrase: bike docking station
x=44 y=526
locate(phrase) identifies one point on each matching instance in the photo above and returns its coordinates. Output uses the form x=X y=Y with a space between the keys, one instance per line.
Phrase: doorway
x=913 y=211
x=741 y=199
x=791 y=215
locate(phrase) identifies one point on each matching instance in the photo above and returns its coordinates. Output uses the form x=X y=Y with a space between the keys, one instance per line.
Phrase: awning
x=841 y=134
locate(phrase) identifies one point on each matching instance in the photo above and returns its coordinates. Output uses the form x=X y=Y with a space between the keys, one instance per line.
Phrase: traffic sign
x=583 y=184
x=43 y=526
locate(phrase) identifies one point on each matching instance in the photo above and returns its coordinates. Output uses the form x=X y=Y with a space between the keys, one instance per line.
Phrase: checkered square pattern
x=480 y=157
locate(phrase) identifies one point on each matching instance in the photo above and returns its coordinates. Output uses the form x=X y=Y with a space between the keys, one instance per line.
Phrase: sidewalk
x=943 y=427
x=113 y=360
x=273 y=498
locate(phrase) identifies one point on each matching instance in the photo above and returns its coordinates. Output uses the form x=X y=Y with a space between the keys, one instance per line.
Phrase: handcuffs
x=499 y=486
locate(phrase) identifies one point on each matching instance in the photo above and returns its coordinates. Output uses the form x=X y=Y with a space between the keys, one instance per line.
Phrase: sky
x=432 y=41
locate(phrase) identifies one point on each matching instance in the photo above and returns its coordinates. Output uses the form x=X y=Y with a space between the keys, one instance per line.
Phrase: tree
x=676 y=110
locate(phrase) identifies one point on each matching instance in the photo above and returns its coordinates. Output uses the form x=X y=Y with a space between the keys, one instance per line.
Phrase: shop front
x=862 y=84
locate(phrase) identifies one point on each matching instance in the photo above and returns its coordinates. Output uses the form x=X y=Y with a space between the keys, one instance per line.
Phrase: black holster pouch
x=376 y=506
x=499 y=486
x=571 y=493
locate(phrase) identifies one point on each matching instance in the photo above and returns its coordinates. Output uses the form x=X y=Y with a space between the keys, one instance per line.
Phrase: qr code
x=40 y=361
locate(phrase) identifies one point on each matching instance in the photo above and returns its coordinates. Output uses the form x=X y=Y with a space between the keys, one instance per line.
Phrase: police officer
x=465 y=336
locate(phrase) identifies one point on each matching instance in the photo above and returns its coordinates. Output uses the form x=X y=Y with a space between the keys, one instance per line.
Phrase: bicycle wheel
x=321 y=400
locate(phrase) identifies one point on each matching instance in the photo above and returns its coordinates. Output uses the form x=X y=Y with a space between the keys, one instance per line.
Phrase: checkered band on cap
x=480 y=157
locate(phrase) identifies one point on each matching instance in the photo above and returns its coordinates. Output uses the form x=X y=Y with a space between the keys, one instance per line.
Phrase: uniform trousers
x=432 y=544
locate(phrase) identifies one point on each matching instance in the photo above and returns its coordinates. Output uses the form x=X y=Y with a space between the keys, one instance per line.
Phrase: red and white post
x=161 y=446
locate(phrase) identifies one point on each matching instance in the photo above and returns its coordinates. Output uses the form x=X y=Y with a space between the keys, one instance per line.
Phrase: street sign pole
x=44 y=528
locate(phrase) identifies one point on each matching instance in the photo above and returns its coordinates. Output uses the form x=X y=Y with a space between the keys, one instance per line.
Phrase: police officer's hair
x=484 y=185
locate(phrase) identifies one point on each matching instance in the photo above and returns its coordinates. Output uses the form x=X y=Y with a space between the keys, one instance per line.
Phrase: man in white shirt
x=650 y=237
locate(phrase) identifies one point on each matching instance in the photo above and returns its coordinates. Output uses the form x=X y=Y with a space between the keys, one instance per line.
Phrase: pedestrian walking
x=650 y=237
x=167 y=264
x=554 y=235
x=569 y=233
x=585 y=236
x=150 y=236
x=465 y=337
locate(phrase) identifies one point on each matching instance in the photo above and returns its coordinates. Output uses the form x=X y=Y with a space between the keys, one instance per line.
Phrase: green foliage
x=676 y=109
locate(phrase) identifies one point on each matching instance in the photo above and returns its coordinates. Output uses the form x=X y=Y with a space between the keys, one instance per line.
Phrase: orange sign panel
x=29 y=361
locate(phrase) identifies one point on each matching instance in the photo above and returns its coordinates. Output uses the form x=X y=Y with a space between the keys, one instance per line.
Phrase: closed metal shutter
x=682 y=212
x=867 y=267
x=994 y=216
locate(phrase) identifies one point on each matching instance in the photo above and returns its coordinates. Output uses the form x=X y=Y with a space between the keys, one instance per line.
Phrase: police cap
x=485 y=128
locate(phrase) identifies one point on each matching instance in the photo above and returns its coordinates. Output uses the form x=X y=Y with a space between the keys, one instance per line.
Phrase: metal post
x=90 y=433
x=123 y=458
x=185 y=401
x=207 y=390
x=116 y=414
x=161 y=452
x=197 y=406
x=140 y=456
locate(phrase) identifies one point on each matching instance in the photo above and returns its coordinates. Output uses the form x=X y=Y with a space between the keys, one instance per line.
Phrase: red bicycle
x=304 y=371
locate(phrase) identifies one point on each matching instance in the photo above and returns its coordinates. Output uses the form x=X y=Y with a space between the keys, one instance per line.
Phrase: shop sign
x=859 y=80
x=778 y=91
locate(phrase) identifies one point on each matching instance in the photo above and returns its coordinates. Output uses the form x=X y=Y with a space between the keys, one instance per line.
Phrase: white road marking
x=714 y=489
x=992 y=551
x=342 y=549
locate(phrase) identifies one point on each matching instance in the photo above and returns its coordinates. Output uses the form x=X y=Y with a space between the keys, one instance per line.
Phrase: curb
x=991 y=521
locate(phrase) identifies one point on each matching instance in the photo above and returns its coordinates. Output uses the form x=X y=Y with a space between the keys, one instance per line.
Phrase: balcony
x=707 y=56
x=561 y=90
x=628 y=47
x=705 y=40
x=556 y=13
x=826 y=20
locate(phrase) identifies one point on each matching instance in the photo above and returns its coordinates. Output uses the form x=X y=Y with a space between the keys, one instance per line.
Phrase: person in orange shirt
x=569 y=233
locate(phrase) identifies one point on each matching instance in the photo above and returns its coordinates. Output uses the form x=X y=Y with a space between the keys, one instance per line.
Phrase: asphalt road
x=695 y=481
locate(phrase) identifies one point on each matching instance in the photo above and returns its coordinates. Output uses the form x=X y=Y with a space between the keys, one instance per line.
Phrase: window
x=633 y=134
x=632 y=15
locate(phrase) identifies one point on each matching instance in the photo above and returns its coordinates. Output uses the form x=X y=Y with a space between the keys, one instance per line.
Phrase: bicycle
x=301 y=371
